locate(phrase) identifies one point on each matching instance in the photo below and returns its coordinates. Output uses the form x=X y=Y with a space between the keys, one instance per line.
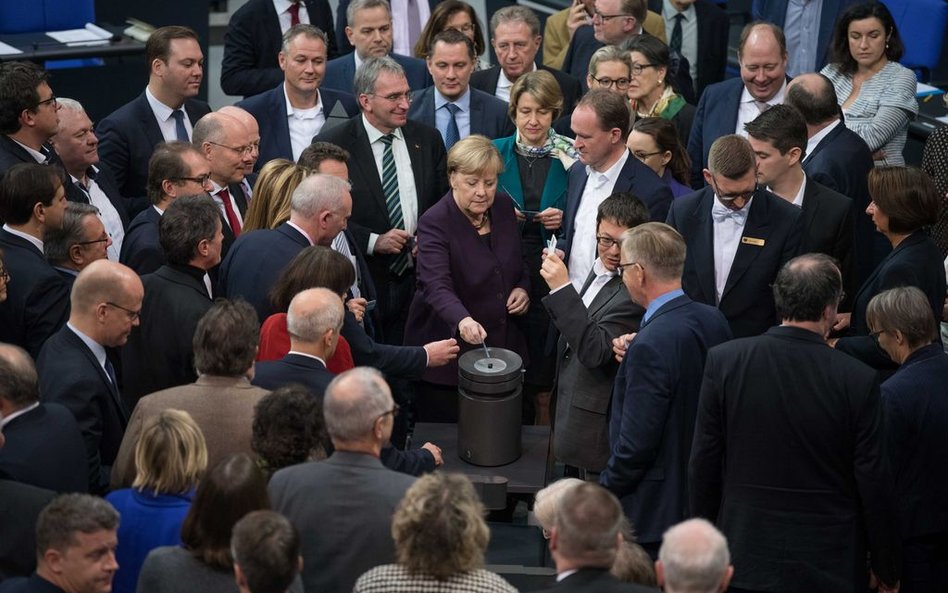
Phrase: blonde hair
x=171 y=454
x=473 y=155
x=271 y=194
x=542 y=86
x=547 y=501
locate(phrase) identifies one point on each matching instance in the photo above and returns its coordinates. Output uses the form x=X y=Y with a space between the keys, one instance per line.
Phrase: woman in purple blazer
x=470 y=271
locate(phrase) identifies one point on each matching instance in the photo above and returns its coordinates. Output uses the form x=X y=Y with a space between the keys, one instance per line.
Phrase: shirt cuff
x=373 y=237
x=559 y=288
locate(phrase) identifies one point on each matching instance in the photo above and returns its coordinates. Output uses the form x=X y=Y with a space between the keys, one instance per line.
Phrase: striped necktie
x=393 y=201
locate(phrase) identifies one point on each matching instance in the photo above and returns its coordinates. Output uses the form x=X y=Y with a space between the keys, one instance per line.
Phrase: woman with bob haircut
x=272 y=191
x=471 y=279
x=170 y=458
x=440 y=537
x=876 y=93
x=451 y=14
x=904 y=202
x=203 y=562
x=655 y=142
x=651 y=92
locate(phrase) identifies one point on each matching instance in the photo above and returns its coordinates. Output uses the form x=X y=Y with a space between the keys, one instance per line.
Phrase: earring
x=887 y=45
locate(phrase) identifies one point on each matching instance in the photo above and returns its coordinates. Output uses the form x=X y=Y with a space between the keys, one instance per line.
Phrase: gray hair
x=905 y=309
x=70 y=104
x=57 y=242
x=312 y=324
x=309 y=31
x=547 y=501
x=211 y=128
x=695 y=557
x=317 y=193
x=354 y=400
x=358 y=5
x=368 y=73
x=515 y=14
x=69 y=514
x=657 y=247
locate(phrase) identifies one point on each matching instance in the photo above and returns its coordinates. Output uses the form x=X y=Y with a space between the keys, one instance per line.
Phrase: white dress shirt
x=4 y=420
x=727 y=237
x=97 y=349
x=583 y=249
x=219 y=200
x=166 y=123
x=283 y=13
x=603 y=276
x=798 y=199
x=504 y=84
x=341 y=245
x=107 y=213
x=401 y=41
x=748 y=110
x=816 y=138
x=39 y=156
x=303 y=123
x=407 y=193
x=27 y=237
x=689 y=33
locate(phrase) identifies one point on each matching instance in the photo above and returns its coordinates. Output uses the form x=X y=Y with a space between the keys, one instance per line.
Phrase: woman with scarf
x=651 y=93
x=536 y=160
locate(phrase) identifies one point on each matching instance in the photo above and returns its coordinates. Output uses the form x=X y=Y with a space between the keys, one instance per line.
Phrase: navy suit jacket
x=12 y=153
x=654 y=403
x=827 y=227
x=293 y=368
x=771 y=237
x=635 y=177
x=341 y=71
x=486 y=80
x=269 y=108
x=141 y=248
x=18 y=514
x=716 y=116
x=775 y=11
x=713 y=25
x=107 y=184
x=69 y=374
x=127 y=137
x=37 y=297
x=488 y=113
x=44 y=448
x=915 y=401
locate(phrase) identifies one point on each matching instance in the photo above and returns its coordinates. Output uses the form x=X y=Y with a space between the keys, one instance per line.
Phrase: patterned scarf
x=667 y=106
x=560 y=147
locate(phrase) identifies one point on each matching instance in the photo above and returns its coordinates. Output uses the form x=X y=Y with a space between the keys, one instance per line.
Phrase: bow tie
x=720 y=213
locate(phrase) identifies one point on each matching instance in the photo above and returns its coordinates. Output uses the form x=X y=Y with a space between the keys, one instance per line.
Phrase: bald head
x=355 y=403
x=19 y=385
x=106 y=300
x=314 y=314
x=815 y=97
x=694 y=558
x=249 y=122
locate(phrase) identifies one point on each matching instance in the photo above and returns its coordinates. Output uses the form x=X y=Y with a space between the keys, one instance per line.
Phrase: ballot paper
x=8 y=50
x=88 y=35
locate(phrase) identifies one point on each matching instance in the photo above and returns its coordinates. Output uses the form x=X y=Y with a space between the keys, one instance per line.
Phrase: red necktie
x=294 y=11
x=232 y=218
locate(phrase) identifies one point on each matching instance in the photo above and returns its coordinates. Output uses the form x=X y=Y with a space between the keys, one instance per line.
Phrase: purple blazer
x=678 y=189
x=458 y=276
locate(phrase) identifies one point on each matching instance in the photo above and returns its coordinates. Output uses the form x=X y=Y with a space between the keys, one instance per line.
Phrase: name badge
x=752 y=241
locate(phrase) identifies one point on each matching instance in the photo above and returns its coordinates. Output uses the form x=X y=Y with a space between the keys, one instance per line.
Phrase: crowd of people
x=218 y=328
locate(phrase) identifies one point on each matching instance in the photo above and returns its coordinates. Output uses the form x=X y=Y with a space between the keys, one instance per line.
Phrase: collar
x=610 y=174
x=600 y=269
x=924 y=353
x=301 y=231
x=464 y=101
x=669 y=12
x=798 y=199
x=241 y=382
x=720 y=209
x=189 y=270
x=38 y=156
x=66 y=270
x=26 y=236
x=312 y=111
x=660 y=301
x=374 y=133
x=97 y=349
x=313 y=356
x=8 y=419
x=91 y=173
x=282 y=6
x=565 y=574
x=777 y=99
x=504 y=82
x=162 y=111
x=816 y=138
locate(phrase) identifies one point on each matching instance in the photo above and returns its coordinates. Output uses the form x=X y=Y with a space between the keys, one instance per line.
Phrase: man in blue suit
x=725 y=107
x=605 y=166
x=738 y=236
x=292 y=113
x=166 y=111
x=808 y=26
x=452 y=106
x=370 y=32
x=655 y=398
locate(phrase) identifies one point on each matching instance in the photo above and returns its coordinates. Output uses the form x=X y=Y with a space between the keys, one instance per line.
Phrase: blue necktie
x=393 y=201
x=452 y=134
x=179 y=128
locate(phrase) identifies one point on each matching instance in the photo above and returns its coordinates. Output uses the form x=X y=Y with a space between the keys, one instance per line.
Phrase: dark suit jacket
x=634 y=177
x=586 y=368
x=107 y=184
x=841 y=162
x=401 y=361
x=269 y=108
x=253 y=40
x=653 y=414
x=70 y=375
x=351 y=530
x=369 y=213
x=916 y=412
x=141 y=248
x=341 y=71
x=459 y=275
x=713 y=27
x=916 y=261
x=716 y=116
x=594 y=580
x=44 y=448
x=488 y=113
x=775 y=11
x=12 y=153
x=127 y=137
x=159 y=354
x=826 y=220
x=747 y=301
x=788 y=461
x=37 y=297
x=486 y=81
x=18 y=514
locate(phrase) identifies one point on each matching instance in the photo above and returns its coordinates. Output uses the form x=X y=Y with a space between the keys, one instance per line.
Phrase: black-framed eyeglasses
x=132 y=315
x=875 y=335
x=394 y=411
x=93 y=241
x=621 y=267
x=394 y=97
x=745 y=195
x=620 y=83
x=609 y=17
x=638 y=68
x=241 y=150
x=53 y=100
x=608 y=242
x=644 y=155
x=201 y=180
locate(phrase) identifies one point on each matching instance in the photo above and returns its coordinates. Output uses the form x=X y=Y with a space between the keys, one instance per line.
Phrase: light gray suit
x=586 y=368
x=342 y=508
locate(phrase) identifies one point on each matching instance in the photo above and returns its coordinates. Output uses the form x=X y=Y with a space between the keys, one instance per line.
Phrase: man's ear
x=53 y=559
x=659 y=573
x=728 y=575
x=240 y=578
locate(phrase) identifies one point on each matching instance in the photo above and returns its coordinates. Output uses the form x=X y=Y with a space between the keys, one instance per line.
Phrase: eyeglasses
x=644 y=155
x=608 y=242
x=201 y=180
x=241 y=150
x=394 y=97
x=620 y=83
x=620 y=267
x=744 y=195
x=394 y=411
x=638 y=68
x=607 y=17
x=52 y=100
x=132 y=315
x=876 y=334
x=93 y=242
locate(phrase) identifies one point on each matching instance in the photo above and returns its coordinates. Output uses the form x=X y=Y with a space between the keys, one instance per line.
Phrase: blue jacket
x=341 y=71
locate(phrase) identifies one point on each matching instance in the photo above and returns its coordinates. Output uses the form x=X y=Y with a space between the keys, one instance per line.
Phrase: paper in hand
x=551 y=245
